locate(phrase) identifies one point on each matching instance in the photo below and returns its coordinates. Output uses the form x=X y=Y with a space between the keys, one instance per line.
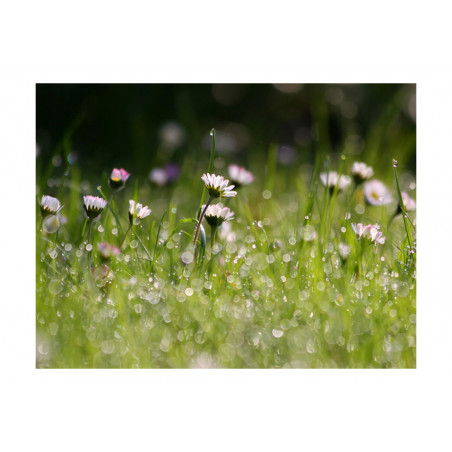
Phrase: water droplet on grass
x=277 y=333
x=189 y=291
x=89 y=247
x=51 y=224
x=55 y=287
x=187 y=257
x=53 y=327
x=108 y=347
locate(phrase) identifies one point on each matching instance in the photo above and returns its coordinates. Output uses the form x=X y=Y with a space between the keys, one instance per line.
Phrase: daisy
x=118 y=178
x=93 y=206
x=376 y=193
x=137 y=210
x=218 y=186
x=376 y=235
x=332 y=180
x=369 y=231
x=50 y=205
x=239 y=176
x=361 y=171
x=359 y=229
x=216 y=214
x=409 y=203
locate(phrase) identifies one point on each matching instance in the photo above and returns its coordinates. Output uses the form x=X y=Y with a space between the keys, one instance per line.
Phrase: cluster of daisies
x=218 y=187
x=215 y=214
x=375 y=192
x=93 y=205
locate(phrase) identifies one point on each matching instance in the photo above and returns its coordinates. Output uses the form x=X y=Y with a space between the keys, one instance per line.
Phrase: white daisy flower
x=332 y=179
x=359 y=229
x=370 y=231
x=93 y=205
x=118 y=178
x=361 y=171
x=216 y=214
x=137 y=210
x=376 y=193
x=50 y=205
x=218 y=186
x=409 y=203
x=376 y=235
x=239 y=175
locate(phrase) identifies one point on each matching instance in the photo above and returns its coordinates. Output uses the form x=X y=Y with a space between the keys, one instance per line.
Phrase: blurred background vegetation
x=143 y=126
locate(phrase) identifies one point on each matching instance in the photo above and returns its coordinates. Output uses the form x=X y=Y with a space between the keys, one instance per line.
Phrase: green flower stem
x=90 y=222
x=402 y=206
x=142 y=244
x=213 y=231
x=209 y=169
x=125 y=235
x=99 y=189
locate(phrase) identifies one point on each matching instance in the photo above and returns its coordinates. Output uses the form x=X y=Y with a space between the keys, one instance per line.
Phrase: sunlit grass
x=284 y=287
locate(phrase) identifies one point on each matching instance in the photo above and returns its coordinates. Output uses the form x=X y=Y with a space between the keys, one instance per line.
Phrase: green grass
x=279 y=295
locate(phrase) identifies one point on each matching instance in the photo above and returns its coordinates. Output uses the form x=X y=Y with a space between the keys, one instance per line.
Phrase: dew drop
x=187 y=257
x=277 y=333
x=266 y=194
x=55 y=287
x=51 y=224
x=108 y=347
x=53 y=327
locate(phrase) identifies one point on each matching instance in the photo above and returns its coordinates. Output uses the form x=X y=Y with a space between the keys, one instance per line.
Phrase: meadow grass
x=288 y=285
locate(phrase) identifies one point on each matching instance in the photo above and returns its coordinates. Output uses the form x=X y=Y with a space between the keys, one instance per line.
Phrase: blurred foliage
x=120 y=125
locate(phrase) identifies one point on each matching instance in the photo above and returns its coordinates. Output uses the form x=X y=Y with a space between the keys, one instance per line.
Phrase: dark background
x=101 y=126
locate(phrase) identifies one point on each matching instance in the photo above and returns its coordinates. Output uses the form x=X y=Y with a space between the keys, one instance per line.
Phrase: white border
x=224 y=410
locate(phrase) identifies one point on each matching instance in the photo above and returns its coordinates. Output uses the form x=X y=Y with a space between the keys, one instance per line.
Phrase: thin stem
x=125 y=235
x=142 y=244
x=200 y=220
x=118 y=223
x=89 y=252
x=402 y=207
x=213 y=230
x=84 y=227
x=209 y=169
